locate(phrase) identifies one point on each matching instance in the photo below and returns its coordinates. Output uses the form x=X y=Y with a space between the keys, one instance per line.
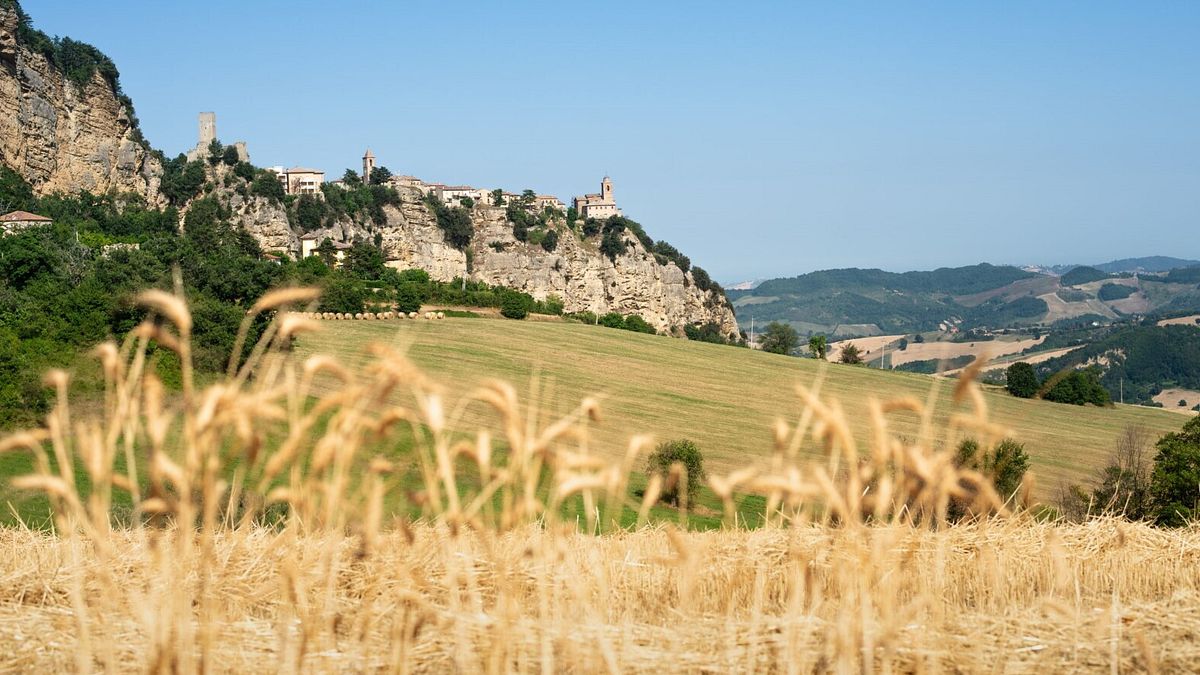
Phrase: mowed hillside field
x=726 y=399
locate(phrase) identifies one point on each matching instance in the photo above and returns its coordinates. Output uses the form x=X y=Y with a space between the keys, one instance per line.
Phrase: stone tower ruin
x=208 y=128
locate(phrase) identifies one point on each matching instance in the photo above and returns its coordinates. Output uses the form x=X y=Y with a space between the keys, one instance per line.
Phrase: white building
x=598 y=206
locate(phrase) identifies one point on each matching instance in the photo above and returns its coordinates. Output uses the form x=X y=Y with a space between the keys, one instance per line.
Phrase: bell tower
x=606 y=189
x=368 y=166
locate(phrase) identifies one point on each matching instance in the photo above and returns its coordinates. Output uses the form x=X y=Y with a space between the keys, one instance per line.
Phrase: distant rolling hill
x=857 y=302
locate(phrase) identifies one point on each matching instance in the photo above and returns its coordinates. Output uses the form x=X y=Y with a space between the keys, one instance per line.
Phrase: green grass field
x=725 y=399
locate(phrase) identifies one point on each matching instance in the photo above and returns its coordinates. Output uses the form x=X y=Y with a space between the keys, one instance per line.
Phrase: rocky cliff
x=63 y=137
x=576 y=272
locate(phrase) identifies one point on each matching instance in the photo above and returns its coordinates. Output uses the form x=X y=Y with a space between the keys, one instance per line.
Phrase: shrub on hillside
x=685 y=453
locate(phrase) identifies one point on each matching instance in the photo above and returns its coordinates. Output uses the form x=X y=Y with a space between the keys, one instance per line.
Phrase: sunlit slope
x=724 y=398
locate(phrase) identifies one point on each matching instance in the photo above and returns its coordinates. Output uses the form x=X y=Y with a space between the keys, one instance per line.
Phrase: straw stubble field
x=259 y=541
x=725 y=399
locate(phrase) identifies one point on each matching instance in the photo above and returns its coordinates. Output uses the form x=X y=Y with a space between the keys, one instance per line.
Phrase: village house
x=299 y=180
x=453 y=195
x=16 y=221
x=542 y=202
x=598 y=206
x=311 y=241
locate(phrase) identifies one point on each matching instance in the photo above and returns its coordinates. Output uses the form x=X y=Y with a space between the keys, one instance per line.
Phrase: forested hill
x=945 y=280
x=1147 y=359
x=866 y=301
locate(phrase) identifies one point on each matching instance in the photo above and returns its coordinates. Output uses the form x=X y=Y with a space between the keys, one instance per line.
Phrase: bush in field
x=514 y=306
x=612 y=320
x=682 y=452
x=637 y=324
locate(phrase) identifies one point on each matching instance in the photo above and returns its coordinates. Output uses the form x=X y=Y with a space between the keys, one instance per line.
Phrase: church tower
x=606 y=189
x=368 y=166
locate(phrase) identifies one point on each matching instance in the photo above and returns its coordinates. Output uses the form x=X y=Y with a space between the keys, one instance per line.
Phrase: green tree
x=780 y=338
x=410 y=296
x=365 y=261
x=514 y=306
x=350 y=178
x=244 y=170
x=1022 y=380
x=497 y=197
x=1077 y=387
x=520 y=230
x=343 y=292
x=327 y=252
x=685 y=453
x=612 y=245
x=380 y=175
x=215 y=152
x=230 y=156
x=266 y=184
x=550 y=241
x=818 y=345
x=310 y=213
x=851 y=355
x=1175 y=481
x=1005 y=465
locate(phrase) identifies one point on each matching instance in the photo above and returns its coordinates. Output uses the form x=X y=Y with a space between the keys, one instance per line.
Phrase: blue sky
x=762 y=139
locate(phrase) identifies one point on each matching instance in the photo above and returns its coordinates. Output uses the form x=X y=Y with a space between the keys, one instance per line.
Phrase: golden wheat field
x=259 y=539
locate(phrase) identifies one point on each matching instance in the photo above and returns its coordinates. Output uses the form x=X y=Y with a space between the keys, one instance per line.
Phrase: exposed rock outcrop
x=576 y=272
x=62 y=137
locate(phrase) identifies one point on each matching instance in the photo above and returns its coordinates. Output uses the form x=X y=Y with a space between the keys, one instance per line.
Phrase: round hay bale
x=369 y=316
x=441 y=315
x=412 y=315
x=358 y=315
x=327 y=315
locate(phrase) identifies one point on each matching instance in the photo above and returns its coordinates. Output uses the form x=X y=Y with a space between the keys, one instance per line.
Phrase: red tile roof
x=23 y=216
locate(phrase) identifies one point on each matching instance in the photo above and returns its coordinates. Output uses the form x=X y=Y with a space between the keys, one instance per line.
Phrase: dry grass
x=858 y=569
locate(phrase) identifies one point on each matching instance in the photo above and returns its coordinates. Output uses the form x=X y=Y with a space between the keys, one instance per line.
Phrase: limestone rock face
x=576 y=272
x=268 y=221
x=60 y=137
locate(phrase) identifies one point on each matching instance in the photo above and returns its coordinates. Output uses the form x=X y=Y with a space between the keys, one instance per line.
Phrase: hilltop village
x=301 y=180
